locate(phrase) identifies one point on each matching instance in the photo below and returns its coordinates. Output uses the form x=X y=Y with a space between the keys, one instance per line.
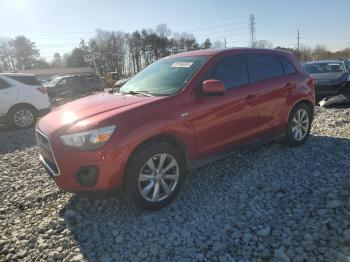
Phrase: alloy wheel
x=23 y=118
x=300 y=124
x=158 y=177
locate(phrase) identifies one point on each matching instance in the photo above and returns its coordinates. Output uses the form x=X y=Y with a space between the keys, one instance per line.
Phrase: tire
x=21 y=117
x=299 y=125
x=153 y=178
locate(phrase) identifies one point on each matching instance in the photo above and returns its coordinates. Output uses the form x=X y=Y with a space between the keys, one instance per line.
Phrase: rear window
x=27 y=80
x=288 y=66
x=324 y=67
x=3 y=84
x=263 y=67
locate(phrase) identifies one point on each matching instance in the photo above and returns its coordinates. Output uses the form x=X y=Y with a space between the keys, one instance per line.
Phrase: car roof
x=216 y=51
x=16 y=74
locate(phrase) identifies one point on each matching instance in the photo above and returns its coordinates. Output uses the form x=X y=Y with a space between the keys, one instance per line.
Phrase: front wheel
x=299 y=125
x=154 y=175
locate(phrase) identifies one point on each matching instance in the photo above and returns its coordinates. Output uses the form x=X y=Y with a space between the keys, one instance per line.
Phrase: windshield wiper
x=138 y=92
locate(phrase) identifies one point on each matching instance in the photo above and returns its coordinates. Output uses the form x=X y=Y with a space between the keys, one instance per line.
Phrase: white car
x=22 y=100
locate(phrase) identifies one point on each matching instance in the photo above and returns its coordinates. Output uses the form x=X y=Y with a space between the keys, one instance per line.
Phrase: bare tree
x=163 y=31
x=6 y=55
x=263 y=44
x=218 y=44
x=321 y=52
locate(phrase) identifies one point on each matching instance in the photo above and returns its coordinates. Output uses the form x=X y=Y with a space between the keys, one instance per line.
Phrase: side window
x=4 y=84
x=231 y=70
x=288 y=66
x=63 y=81
x=27 y=80
x=263 y=67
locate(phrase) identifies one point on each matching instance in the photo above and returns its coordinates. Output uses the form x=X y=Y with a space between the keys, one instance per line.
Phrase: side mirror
x=213 y=87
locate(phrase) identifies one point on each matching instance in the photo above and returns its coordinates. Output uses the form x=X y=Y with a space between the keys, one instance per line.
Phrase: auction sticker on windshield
x=182 y=64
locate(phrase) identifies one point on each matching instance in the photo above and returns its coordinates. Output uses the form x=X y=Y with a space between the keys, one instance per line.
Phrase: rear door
x=27 y=86
x=93 y=83
x=65 y=87
x=82 y=87
x=266 y=73
x=221 y=122
x=8 y=96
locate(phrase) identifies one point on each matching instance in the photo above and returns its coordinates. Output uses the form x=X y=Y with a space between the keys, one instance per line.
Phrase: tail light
x=42 y=89
x=311 y=83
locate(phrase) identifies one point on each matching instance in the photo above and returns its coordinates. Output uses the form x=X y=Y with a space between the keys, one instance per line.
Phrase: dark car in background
x=74 y=86
x=347 y=64
x=331 y=77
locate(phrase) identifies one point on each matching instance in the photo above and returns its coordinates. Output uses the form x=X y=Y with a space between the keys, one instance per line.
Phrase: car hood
x=91 y=106
x=329 y=77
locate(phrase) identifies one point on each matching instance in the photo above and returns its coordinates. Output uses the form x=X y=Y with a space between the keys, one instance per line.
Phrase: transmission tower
x=252 y=25
x=298 y=44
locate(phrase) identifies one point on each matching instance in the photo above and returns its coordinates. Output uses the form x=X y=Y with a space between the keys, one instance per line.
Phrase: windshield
x=324 y=67
x=54 y=81
x=164 y=77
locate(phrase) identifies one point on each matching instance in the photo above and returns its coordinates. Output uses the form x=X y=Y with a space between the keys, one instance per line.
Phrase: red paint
x=204 y=124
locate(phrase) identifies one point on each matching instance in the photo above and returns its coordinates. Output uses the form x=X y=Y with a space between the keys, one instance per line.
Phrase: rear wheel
x=155 y=175
x=21 y=117
x=299 y=125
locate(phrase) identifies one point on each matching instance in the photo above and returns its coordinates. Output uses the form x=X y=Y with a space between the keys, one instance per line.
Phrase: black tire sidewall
x=135 y=165
x=10 y=117
x=290 y=140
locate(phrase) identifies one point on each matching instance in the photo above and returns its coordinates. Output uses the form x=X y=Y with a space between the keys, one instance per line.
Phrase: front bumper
x=329 y=89
x=78 y=171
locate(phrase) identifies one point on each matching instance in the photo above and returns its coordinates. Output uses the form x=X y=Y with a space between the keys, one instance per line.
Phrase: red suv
x=176 y=114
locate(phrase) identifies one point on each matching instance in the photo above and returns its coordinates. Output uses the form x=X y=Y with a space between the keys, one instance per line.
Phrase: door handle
x=249 y=97
x=289 y=85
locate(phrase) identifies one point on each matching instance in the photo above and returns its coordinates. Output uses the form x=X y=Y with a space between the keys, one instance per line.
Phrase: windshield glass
x=164 y=77
x=54 y=81
x=324 y=67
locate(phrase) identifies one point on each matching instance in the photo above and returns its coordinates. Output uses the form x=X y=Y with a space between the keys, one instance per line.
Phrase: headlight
x=89 y=140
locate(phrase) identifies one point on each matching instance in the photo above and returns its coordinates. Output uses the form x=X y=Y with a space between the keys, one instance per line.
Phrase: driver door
x=221 y=122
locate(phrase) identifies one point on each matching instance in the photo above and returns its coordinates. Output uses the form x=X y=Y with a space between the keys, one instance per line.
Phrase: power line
x=213 y=27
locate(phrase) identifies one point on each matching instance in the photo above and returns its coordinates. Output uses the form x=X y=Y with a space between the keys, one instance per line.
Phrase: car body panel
x=203 y=125
x=20 y=93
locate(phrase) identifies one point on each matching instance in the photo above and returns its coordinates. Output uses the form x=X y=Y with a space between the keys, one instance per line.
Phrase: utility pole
x=298 y=45
x=252 y=24
x=114 y=53
x=225 y=42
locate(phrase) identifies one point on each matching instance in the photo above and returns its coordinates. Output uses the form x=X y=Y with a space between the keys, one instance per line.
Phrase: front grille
x=52 y=166
x=43 y=141
x=46 y=154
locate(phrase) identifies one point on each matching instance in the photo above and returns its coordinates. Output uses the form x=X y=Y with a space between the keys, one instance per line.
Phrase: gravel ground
x=271 y=203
